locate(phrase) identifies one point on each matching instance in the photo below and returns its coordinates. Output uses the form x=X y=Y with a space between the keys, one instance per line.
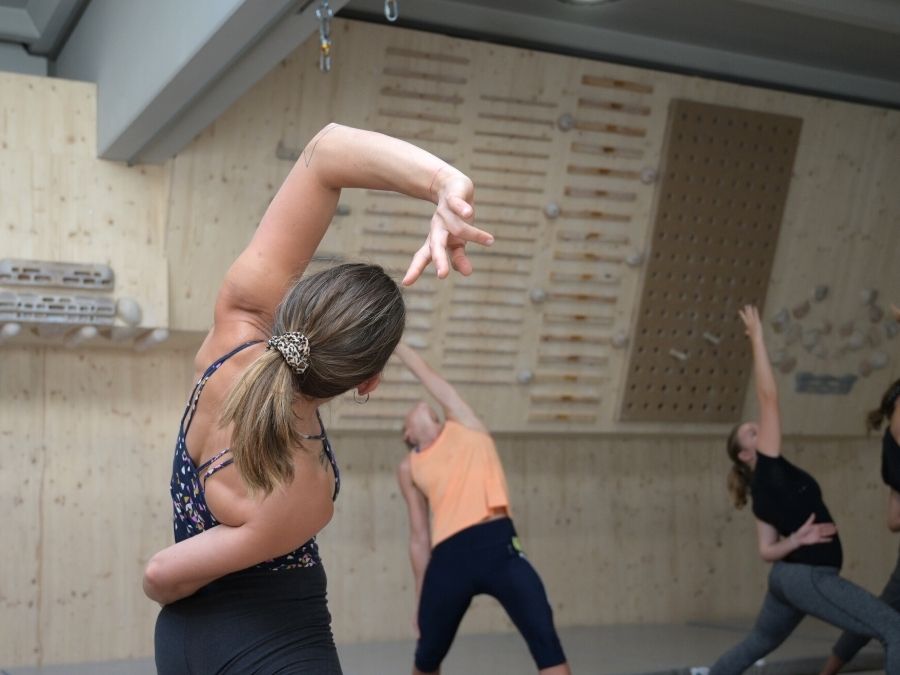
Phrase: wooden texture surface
x=625 y=521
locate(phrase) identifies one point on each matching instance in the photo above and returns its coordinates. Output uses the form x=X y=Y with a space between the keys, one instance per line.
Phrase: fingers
x=459 y=260
x=438 y=244
x=457 y=222
x=810 y=520
x=419 y=262
x=460 y=207
x=827 y=530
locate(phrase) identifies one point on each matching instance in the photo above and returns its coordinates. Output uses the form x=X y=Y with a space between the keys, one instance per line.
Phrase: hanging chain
x=324 y=14
x=391 y=10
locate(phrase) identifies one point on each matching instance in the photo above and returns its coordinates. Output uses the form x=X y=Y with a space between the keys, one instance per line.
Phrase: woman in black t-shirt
x=849 y=643
x=796 y=533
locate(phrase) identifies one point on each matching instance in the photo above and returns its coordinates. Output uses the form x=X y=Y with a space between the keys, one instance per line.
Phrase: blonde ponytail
x=739 y=484
x=332 y=331
x=740 y=475
x=260 y=406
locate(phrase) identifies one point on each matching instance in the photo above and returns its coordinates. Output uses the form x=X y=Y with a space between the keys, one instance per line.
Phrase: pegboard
x=724 y=182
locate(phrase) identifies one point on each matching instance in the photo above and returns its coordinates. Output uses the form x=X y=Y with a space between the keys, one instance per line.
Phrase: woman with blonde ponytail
x=254 y=476
x=796 y=533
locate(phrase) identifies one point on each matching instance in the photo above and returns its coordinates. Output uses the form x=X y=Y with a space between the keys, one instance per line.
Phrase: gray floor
x=603 y=650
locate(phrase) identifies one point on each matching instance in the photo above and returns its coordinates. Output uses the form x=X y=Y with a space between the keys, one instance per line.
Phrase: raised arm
x=454 y=406
x=419 y=529
x=301 y=211
x=769 y=441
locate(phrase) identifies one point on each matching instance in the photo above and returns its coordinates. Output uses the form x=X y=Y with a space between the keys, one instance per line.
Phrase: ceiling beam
x=166 y=69
x=538 y=32
x=881 y=15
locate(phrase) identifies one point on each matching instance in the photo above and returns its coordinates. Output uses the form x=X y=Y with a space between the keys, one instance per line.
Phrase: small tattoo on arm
x=310 y=149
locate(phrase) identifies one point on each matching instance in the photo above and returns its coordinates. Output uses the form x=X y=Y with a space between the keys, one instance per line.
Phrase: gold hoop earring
x=360 y=401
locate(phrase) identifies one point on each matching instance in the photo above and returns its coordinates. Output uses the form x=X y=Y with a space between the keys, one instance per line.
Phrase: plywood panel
x=22 y=468
x=726 y=173
x=533 y=129
x=62 y=204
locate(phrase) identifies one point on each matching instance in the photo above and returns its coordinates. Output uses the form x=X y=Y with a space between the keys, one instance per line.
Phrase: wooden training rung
x=511 y=153
x=581 y=170
x=584 y=399
x=518 y=101
x=605 y=128
x=580 y=339
x=419 y=116
x=590 y=193
x=423 y=75
x=607 y=150
x=519 y=119
x=588 y=257
x=584 y=418
x=428 y=56
x=614 y=106
x=572 y=214
x=507 y=169
x=609 y=83
x=447 y=99
x=593 y=236
x=510 y=188
x=508 y=205
x=584 y=277
x=592 y=319
x=583 y=297
x=513 y=137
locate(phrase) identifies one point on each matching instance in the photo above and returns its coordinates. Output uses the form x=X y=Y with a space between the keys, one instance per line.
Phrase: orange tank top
x=461 y=476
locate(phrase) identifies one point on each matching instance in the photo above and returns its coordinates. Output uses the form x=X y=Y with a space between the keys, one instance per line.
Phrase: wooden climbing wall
x=725 y=178
x=541 y=337
x=557 y=172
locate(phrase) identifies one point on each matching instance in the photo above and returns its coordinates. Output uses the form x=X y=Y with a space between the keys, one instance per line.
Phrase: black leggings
x=484 y=558
x=255 y=621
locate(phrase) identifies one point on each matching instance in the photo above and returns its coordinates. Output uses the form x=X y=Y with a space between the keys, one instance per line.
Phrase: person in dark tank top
x=254 y=478
x=849 y=644
x=796 y=533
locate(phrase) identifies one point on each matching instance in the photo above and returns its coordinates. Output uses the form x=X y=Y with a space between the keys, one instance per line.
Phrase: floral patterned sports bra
x=191 y=514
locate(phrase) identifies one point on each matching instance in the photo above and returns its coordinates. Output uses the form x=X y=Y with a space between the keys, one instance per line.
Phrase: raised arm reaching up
x=301 y=211
x=454 y=406
x=769 y=441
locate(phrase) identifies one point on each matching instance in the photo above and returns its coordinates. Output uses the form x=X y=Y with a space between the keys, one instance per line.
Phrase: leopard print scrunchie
x=294 y=347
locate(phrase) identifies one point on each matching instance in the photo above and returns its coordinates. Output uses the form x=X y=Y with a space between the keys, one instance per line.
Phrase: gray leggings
x=849 y=643
x=797 y=590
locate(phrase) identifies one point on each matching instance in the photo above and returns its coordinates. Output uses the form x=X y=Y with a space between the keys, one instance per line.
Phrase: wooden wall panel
x=630 y=524
x=534 y=129
x=725 y=177
x=622 y=528
x=59 y=203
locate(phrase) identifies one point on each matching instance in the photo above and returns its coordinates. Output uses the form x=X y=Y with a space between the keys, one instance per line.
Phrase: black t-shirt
x=784 y=496
x=890 y=460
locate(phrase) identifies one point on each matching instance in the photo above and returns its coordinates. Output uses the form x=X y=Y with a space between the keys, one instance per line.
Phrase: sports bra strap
x=198 y=388
x=215 y=467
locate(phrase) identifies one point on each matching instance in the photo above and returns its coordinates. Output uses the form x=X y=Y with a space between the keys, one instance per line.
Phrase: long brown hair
x=883 y=412
x=740 y=475
x=353 y=316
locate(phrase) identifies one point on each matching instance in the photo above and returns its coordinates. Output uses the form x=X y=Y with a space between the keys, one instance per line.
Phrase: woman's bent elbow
x=154 y=582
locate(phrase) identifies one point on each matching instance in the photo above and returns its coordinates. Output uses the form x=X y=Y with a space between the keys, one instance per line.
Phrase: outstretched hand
x=812 y=532
x=896 y=312
x=752 y=323
x=451 y=228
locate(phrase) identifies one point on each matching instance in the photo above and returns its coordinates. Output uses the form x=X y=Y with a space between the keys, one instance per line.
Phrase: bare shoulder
x=225 y=337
